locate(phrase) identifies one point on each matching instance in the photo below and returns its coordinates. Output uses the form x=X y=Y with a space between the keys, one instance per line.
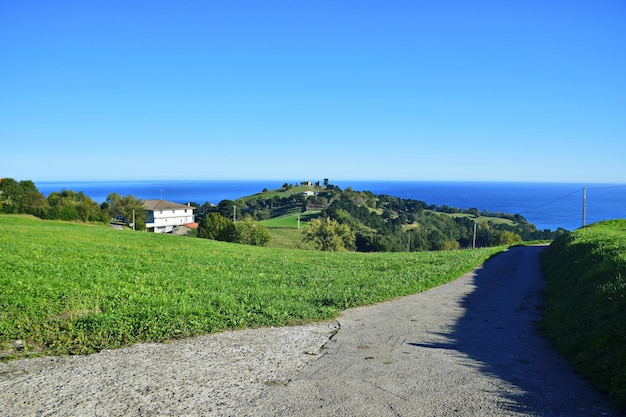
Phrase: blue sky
x=415 y=90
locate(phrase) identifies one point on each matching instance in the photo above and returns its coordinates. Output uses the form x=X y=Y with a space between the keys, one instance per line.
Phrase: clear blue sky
x=416 y=90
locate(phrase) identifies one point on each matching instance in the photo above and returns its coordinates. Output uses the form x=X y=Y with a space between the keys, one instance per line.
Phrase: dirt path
x=467 y=348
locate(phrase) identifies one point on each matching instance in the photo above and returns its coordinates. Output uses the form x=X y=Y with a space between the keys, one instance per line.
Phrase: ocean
x=547 y=205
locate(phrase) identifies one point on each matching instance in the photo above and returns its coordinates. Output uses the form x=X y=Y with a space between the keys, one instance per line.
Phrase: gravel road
x=467 y=348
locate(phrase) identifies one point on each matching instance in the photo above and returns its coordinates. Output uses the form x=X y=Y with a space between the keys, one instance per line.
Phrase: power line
x=584 y=191
x=554 y=201
x=606 y=188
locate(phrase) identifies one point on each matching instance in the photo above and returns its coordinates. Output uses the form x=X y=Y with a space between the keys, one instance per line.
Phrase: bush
x=251 y=233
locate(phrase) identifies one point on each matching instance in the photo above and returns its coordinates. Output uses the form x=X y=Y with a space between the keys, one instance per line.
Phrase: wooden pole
x=584 y=205
x=474 y=238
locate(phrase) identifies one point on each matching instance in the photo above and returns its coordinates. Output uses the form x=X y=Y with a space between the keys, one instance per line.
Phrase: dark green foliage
x=70 y=205
x=585 y=316
x=23 y=197
x=248 y=232
x=329 y=235
x=127 y=208
x=216 y=227
x=384 y=223
x=11 y=195
x=227 y=208
x=388 y=227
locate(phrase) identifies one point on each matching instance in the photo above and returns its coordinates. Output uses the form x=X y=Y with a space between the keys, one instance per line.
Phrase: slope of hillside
x=585 y=316
x=77 y=288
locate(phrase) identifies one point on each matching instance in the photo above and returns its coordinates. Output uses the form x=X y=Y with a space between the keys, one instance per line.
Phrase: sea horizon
x=548 y=205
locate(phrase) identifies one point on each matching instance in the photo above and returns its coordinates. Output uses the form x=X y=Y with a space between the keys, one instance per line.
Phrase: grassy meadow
x=585 y=317
x=70 y=288
x=284 y=230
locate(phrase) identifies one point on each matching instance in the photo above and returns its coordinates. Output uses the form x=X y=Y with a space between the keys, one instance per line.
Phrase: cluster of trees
x=227 y=222
x=362 y=221
x=385 y=223
x=23 y=197
x=246 y=231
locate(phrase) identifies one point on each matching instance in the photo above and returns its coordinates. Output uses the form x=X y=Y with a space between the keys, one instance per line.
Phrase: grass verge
x=74 y=288
x=585 y=317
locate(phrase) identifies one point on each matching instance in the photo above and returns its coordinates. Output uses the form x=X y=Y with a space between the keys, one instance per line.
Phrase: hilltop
x=381 y=223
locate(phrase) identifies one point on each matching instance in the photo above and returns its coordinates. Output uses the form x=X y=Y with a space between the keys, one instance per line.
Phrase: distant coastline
x=547 y=205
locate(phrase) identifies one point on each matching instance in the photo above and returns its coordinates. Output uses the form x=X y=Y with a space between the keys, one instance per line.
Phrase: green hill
x=585 y=316
x=383 y=223
x=78 y=288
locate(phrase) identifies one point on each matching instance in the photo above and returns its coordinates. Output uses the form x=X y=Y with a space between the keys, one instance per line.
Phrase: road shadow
x=498 y=334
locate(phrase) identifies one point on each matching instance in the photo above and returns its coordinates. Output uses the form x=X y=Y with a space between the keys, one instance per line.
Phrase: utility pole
x=584 y=205
x=474 y=238
x=234 y=214
x=408 y=243
x=298 y=221
x=133 y=219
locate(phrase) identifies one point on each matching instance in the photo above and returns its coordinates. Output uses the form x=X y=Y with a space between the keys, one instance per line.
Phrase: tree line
x=348 y=220
x=385 y=223
x=23 y=197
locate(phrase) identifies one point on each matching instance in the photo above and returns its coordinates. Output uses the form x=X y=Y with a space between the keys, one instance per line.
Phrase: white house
x=164 y=216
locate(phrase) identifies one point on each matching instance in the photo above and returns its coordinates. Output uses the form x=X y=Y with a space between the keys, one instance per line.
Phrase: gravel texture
x=223 y=374
x=467 y=348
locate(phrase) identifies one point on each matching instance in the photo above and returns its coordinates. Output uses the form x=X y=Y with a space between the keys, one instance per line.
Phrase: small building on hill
x=165 y=216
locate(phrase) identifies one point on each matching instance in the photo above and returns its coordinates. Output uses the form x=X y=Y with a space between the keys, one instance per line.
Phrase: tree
x=507 y=238
x=70 y=205
x=474 y=212
x=248 y=232
x=217 y=227
x=329 y=235
x=226 y=208
x=11 y=193
x=128 y=209
x=36 y=204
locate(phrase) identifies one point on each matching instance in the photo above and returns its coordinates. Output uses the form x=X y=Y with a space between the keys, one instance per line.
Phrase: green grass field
x=290 y=220
x=284 y=230
x=585 y=316
x=76 y=288
x=481 y=219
